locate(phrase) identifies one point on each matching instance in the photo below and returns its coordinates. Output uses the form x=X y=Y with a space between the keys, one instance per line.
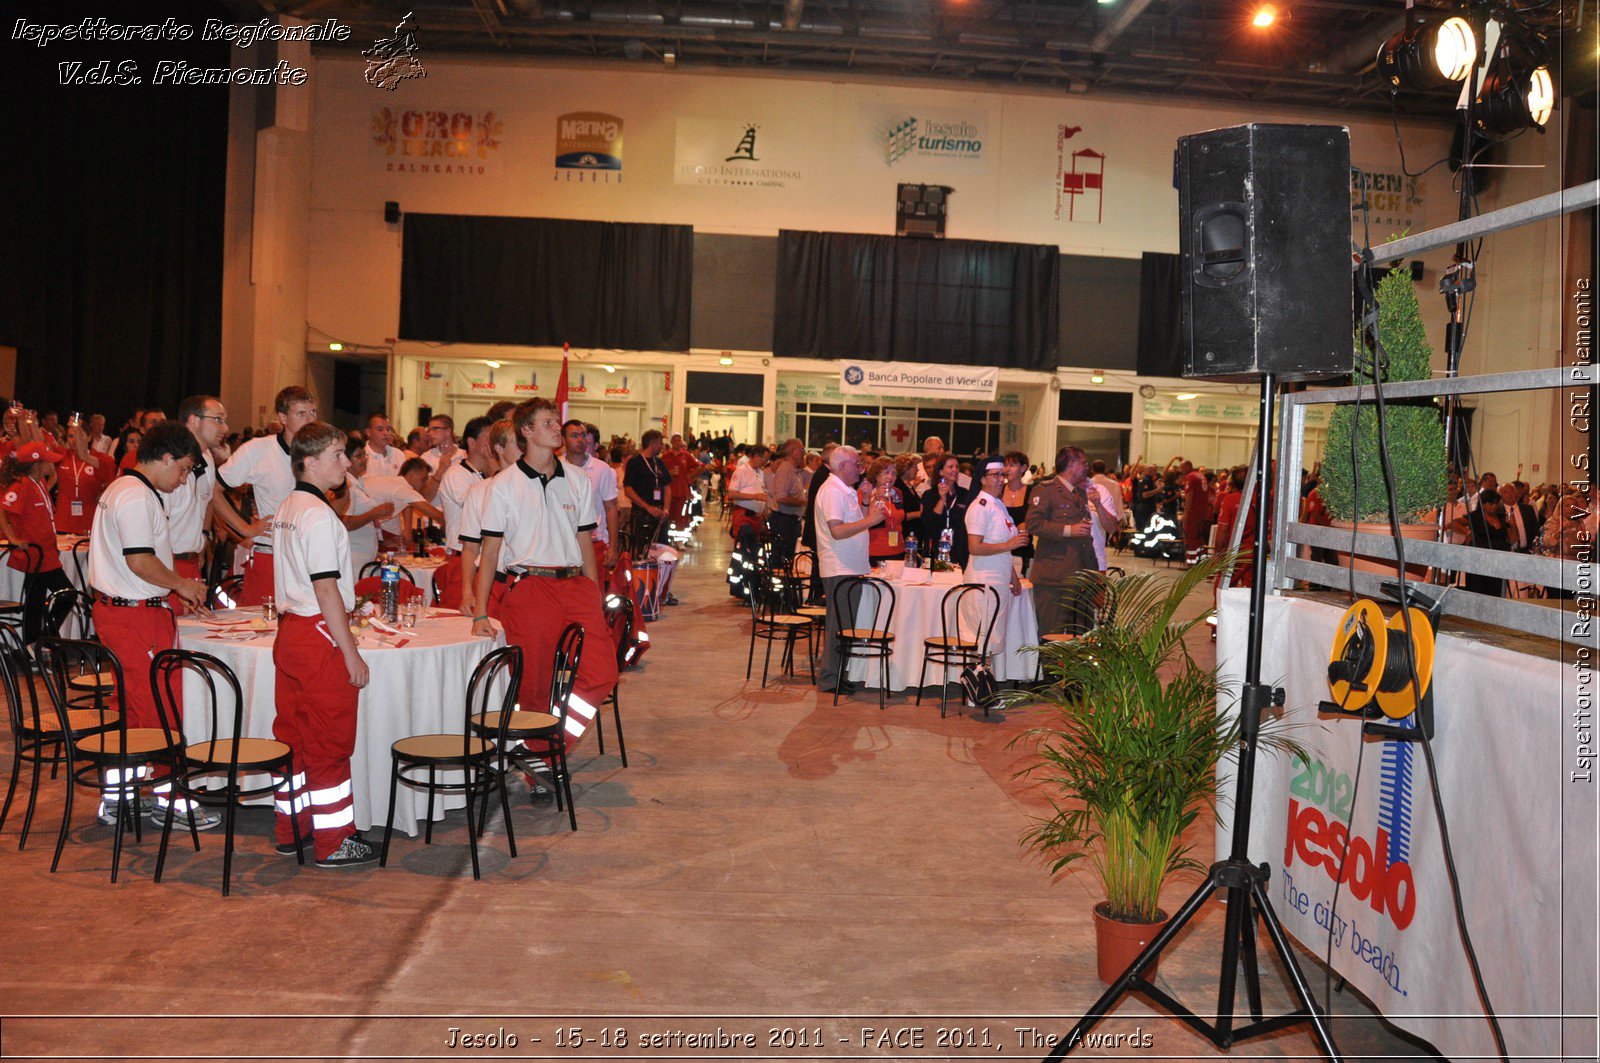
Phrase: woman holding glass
x=944 y=511
x=885 y=541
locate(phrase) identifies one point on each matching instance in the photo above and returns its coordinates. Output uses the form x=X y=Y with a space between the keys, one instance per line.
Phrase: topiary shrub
x=1415 y=433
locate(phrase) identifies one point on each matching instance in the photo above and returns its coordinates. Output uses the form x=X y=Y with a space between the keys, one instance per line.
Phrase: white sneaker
x=204 y=818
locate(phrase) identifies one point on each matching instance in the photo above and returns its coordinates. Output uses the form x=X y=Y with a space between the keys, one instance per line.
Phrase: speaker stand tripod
x=1245 y=883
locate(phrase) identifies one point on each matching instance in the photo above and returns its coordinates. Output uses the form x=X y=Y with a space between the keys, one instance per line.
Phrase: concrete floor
x=769 y=865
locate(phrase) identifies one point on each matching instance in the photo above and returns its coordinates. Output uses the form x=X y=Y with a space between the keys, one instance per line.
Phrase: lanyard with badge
x=44 y=499
x=657 y=473
x=75 y=507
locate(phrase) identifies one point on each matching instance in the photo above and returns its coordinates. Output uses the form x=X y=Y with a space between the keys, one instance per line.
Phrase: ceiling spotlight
x=491 y=365
x=1426 y=55
x=336 y=346
x=1265 y=16
x=1187 y=395
x=608 y=368
x=725 y=360
x=1098 y=376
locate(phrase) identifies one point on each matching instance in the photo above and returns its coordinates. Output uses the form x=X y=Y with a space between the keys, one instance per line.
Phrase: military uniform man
x=1059 y=518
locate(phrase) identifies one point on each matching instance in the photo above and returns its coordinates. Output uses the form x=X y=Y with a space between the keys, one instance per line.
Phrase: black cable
x=1416 y=693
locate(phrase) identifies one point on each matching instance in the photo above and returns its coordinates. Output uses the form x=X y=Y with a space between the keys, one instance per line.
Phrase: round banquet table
x=417 y=687
x=916 y=617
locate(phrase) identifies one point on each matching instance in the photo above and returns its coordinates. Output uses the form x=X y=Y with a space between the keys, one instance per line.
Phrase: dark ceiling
x=1319 y=53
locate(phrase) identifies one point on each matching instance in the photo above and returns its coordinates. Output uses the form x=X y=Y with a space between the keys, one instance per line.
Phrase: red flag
x=561 y=385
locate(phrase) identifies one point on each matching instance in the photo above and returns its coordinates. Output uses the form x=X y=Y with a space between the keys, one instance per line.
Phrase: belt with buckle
x=147 y=603
x=192 y=556
x=549 y=572
x=261 y=550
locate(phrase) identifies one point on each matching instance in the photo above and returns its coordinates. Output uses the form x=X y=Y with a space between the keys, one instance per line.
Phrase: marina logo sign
x=589 y=147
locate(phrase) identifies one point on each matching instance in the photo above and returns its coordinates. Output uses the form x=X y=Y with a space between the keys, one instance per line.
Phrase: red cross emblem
x=899 y=433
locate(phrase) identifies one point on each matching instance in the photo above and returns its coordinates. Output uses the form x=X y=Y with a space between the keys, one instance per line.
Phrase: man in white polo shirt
x=603 y=479
x=407 y=494
x=841 y=550
x=458 y=480
x=197 y=496
x=536 y=538
x=991 y=536
x=130 y=571
x=263 y=465
x=320 y=672
x=383 y=457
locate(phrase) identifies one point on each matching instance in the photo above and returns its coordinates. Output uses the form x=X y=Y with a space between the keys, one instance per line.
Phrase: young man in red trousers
x=320 y=671
x=536 y=538
x=131 y=572
x=263 y=465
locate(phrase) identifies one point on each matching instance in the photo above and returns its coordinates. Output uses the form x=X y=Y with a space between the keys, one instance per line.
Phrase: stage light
x=335 y=346
x=491 y=365
x=1187 y=395
x=1265 y=16
x=724 y=360
x=608 y=368
x=1518 y=94
x=1097 y=377
x=1428 y=55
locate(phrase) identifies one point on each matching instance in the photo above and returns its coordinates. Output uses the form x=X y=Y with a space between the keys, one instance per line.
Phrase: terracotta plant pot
x=1428 y=532
x=1117 y=944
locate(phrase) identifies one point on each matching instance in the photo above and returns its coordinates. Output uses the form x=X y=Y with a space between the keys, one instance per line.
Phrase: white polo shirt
x=538 y=520
x=386 y=464
x=363 y=540
x=987 y=518
x=312 y=544
x=747 y=480
x=431 y=456
x=1096 y=533
x=187 y=508
x=603 y=480
x=131 y=518
x=263 y=465
x=395 y=491
x=457 y=481
x=840 y=557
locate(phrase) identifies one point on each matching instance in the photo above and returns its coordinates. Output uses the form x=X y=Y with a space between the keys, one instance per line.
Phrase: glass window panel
x=967 y=439
x=821 y=430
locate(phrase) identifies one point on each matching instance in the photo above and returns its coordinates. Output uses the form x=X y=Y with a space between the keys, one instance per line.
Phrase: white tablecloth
x=1516 y=773
x=916 y=617
x=11 y=579
x=422 y=570
x=415 y=689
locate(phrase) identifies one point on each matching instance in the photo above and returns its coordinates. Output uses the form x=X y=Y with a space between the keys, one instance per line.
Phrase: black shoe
x=290 y=849
x=845 y=687
x=538 y=792
x=670 y=600
x=354 y=851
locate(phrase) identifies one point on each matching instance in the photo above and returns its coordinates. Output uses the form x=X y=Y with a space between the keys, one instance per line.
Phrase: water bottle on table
x=391 y=592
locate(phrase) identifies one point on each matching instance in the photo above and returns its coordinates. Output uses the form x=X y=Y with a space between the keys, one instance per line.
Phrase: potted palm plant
x=1130 y=753
x=1352 y=485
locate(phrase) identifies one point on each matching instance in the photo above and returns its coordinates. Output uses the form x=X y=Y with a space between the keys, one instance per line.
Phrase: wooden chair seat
x=816 y=612
x=443 y=746
x=140 y=740
x=790 y=620
x=521 y=720
x=94 y=681
x=252 y=752
x=1058 y=637
x=861 y=634
x=950 y=642
x=7 y=605
x=78 y=720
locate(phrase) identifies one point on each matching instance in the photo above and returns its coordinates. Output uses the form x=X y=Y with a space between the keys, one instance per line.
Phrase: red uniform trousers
x=317 y=719
x=135 y=634
x=447 y=583
x=257 y=579
x=497 y=598
x=188 y=568
x=533 y=613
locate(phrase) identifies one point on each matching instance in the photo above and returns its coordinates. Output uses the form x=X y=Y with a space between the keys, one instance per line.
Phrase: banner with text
x=917 y=378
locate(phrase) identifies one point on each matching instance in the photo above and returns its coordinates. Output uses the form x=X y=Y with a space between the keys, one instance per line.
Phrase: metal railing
x=1563 y=620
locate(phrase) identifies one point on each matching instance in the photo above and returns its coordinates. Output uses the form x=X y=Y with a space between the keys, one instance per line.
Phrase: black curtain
x=1160 y=316
x=111 y=233
x=545 y=282
x=961 y=302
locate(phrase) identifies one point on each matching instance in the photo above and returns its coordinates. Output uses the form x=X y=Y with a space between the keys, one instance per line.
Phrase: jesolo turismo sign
x=919 y=379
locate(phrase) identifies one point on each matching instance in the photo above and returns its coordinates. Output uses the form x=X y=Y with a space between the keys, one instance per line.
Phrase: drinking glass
x=269 y=608
x=410 y=612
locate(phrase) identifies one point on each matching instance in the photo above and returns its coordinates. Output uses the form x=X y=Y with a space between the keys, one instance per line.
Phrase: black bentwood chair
x=542 y=734
x=620 y=622
x=951 y=648
x=470 y=752
x=770 y=621
x=862 y=608
x=199 y=765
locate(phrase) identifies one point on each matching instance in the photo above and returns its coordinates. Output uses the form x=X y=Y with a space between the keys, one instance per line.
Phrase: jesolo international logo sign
x=458 y=143
x=905 y=139
x=589 y=147
x=1080 y=179
x=719 y=153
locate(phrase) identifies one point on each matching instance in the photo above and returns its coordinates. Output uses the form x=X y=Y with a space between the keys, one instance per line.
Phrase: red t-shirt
x=79 y=484
x=682 y=465
x=33 y=518
x=1196 y=499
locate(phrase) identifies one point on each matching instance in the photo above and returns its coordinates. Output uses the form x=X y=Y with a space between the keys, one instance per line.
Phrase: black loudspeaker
x=920 y=210
x=391 y=212
x=1264 y=249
